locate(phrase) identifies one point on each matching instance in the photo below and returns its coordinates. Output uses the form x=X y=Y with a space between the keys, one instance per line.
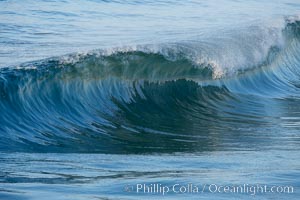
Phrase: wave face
x=189 y=96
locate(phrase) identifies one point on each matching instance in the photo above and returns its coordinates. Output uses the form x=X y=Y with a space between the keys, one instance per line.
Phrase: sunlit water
x=97 y=97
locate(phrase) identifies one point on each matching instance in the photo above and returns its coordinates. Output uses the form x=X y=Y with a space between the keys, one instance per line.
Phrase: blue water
x=98 y=98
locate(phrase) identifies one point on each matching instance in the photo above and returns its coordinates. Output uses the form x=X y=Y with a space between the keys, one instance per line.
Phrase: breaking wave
x=166 y=98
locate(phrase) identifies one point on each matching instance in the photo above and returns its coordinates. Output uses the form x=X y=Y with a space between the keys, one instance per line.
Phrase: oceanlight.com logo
x=190 y=188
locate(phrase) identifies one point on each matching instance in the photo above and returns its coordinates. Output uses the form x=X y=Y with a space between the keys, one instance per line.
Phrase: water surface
x=97 y=97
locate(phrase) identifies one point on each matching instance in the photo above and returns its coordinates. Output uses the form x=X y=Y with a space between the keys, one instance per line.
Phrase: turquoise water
x=126 y=99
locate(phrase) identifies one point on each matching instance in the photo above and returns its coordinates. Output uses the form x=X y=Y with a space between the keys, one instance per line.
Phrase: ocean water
x=166 y=99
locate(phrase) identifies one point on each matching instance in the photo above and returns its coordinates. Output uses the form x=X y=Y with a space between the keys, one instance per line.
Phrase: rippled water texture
x=96 y=96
